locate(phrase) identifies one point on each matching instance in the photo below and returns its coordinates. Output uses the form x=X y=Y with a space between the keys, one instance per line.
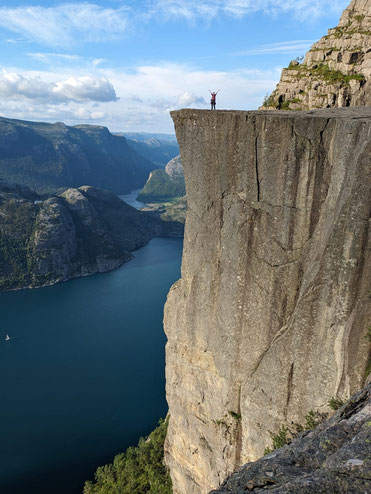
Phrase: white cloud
x=55 y=57
x=71 y=23
x=188 y=99
x=85 y=88
x=14 y=86
x=146 y=94
x=208 y=9
x=296 y=46
x=65 y=24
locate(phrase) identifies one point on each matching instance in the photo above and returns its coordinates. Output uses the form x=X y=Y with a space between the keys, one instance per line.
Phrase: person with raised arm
x=213 y=99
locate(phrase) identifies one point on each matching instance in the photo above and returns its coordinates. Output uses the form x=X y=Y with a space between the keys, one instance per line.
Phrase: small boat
x=7 y=337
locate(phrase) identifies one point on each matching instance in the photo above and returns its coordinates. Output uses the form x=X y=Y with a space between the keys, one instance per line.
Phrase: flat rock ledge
x=333 y=458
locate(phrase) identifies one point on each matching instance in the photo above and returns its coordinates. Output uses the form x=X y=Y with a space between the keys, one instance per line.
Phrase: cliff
x=334 y=458
x=335 y=72
x=47 y=157
x=269 y=318
x=80 y=232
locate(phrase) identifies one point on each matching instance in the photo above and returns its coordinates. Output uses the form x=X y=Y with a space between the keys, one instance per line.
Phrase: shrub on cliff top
x=139 y=470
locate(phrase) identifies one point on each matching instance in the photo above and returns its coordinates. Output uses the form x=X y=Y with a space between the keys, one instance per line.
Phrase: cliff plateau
x=270 y=316
x=335 y=72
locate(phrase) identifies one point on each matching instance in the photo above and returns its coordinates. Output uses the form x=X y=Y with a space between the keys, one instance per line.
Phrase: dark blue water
x=83 y=376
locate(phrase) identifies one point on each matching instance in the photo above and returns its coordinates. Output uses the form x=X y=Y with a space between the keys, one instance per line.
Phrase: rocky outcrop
x=270 y=316
x=335 y=72
x=80 y=232
x=164 y=184
x=334 y=458
x=48 y=157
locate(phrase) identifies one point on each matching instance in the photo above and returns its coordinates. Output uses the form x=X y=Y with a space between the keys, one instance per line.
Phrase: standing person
x=213 y=99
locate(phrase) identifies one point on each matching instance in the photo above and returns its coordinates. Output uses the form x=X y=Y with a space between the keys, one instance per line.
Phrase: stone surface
x=335 y=72
x=334 y=458
x=269 y=318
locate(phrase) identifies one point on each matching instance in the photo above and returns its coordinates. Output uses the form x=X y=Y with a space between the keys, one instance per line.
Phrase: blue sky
x=125 y=64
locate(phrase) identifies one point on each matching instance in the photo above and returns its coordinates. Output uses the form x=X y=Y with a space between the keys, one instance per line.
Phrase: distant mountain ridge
x=47 y=157
x=145 y=136
x=158 y=148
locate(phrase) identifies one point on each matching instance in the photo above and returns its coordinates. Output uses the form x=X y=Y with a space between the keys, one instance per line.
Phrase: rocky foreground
x=334 y=458
x=77 y=233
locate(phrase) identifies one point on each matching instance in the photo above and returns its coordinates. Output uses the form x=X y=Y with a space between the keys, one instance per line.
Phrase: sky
x=126 y=63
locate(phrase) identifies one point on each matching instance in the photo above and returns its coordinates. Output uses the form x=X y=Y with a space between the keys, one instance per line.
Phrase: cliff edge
x=270 y=316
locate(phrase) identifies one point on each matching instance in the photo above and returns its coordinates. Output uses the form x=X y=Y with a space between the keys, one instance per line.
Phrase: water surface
x=83 y=376
x=131 y=199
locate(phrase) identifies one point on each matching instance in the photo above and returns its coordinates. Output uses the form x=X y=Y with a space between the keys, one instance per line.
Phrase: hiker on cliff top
x=213 y=99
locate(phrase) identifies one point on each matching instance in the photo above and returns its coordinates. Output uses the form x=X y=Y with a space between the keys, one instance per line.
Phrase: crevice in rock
x=257 y=169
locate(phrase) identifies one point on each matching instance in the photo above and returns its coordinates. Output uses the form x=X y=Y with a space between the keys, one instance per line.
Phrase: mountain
x=335 y=72
x=77 y=233
x=158 y=148
x=47 y=157
x=150 y=136
x=164 y=184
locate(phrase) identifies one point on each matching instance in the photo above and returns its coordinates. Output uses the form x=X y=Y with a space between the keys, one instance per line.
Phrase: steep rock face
x=335 y=72
x=269 y=318
x=334 y=458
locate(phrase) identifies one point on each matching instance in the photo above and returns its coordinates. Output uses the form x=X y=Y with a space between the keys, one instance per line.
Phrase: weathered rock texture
x=333 y=459
x=335 y=72
x=269 y=318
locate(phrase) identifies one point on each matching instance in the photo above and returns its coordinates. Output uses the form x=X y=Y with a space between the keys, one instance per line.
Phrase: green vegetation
x=269 y=101
x=335 y=403
x=279 y=440
x=286 y=104
x=160 y=186
x=235 y=415
x=139 y=470
x=313 y=419
x=285 y=434
x=175 y=210
x=322 y=71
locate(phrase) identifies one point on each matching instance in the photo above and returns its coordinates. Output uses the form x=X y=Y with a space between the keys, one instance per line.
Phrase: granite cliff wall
x=269 y=318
